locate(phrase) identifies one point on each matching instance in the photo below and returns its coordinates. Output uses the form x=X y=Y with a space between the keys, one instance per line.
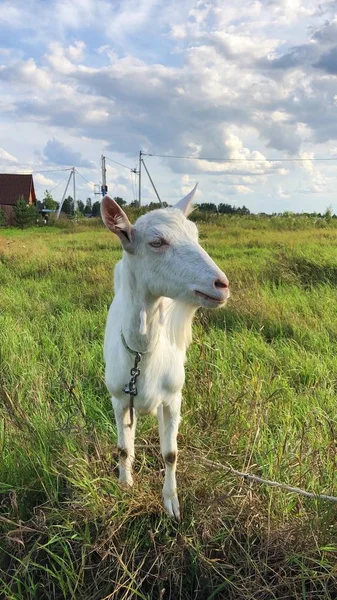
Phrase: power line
x=59 y=183
x=46 y=171
x=117 y=163
x=258 y=160
x=80 y=174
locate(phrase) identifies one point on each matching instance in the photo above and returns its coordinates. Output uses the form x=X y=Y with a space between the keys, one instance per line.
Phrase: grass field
x=260 y=394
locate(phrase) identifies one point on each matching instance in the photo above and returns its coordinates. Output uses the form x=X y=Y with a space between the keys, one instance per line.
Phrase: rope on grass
x=256 y=479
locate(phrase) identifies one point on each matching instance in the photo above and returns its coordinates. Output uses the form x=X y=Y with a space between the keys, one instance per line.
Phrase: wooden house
x=13 y=188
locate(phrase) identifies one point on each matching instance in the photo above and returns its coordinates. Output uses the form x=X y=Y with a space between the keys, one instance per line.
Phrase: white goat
x=163 y=277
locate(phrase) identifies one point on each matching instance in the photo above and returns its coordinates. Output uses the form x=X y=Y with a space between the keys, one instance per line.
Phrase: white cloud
x=76 y=51
x=9 y=14
x=7 y=158
x=287 y=11
x=307 y=163
x=178 y=32
x=281 y=193
x=58 y=60
x=242 y=189
x=42 y=180
x=234 y=45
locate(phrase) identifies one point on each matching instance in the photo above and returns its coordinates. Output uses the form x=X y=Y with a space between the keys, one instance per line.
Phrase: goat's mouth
x=212 y=299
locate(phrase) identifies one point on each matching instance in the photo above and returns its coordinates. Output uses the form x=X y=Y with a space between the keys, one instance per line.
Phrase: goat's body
x=162 y=365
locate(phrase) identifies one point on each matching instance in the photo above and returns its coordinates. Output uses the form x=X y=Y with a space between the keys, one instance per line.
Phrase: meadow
x=260 y=395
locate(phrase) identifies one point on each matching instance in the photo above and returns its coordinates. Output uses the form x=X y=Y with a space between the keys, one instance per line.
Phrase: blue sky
x=250 y=79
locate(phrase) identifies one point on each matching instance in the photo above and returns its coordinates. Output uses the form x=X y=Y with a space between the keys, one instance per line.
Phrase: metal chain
x=131 y=387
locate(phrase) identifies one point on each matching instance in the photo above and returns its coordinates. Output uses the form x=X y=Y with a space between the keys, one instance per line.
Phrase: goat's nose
x=221 y=283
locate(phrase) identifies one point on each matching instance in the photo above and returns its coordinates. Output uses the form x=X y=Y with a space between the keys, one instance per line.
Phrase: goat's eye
x=158 y=243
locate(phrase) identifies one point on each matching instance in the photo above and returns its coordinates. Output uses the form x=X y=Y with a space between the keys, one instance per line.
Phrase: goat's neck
x=146 y=316
x=141 y=312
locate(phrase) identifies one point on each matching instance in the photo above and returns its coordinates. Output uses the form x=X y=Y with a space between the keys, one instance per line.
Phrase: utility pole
x=150 y=178
x=64 y=195
x=74 y=188
x=104 y=185
x=140 y=179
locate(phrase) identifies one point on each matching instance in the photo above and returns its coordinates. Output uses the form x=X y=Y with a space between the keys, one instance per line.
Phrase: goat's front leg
x=168 y=420
x=125 y=439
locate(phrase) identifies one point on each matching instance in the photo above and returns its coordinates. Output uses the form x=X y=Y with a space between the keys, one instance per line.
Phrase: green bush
x=25 y=214
x=2 y=218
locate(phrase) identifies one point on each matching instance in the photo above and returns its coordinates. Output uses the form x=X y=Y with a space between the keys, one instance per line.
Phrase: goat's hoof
x=172 y=507
x=126 y=479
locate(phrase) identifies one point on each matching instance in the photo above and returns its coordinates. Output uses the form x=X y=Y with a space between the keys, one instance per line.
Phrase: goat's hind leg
x=125 y=439
x=168 y=421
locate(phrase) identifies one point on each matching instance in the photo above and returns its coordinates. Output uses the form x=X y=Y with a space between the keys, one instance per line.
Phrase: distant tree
x=25 y=214
x=49 y=202
x=242 y=211
x=88 y=207
x=208 y=207
x=134 y=204
x=226 y=209
x=80 y=206
x=68 y=206
x=96 y=209
x=154 y=205
x=34 y=213
x=39 y=205
x=119 y=201
x=328 y=213
x=2 y=218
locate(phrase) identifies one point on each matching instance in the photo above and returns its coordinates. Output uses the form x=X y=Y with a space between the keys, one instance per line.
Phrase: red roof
x=14 y=187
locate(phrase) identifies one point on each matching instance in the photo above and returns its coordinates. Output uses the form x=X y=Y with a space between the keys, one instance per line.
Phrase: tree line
x=29 y=214
x=223 y=209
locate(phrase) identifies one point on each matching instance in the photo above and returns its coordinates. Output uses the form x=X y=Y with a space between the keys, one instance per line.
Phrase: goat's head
x=164 y=253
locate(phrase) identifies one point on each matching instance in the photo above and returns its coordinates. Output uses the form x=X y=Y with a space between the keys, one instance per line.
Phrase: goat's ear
x=185 y=204
x=116 y=220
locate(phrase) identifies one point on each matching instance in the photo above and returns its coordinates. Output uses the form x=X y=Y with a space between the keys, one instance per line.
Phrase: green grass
x=260 y=394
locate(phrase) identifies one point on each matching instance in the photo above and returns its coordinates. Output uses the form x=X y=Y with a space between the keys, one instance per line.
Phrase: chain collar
x=128 y=348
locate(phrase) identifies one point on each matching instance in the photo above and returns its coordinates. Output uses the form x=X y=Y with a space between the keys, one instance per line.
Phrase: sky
x=250 y=79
